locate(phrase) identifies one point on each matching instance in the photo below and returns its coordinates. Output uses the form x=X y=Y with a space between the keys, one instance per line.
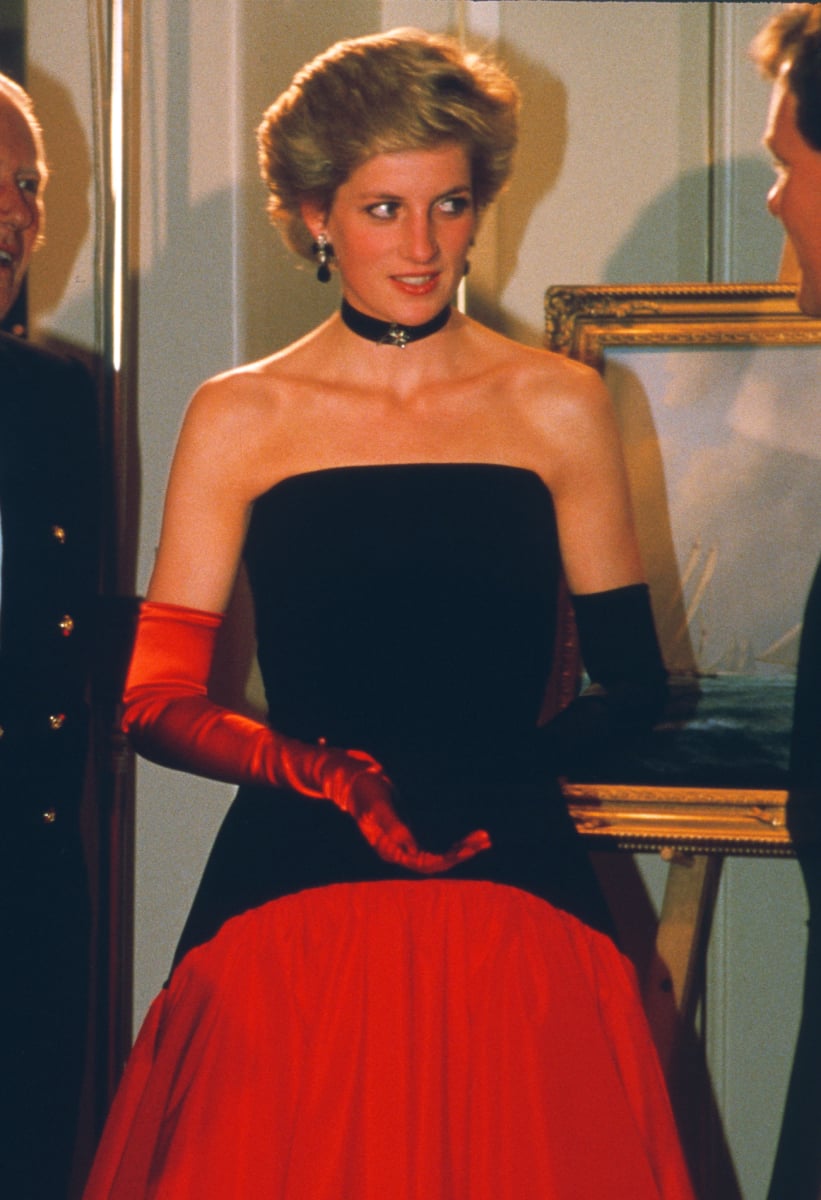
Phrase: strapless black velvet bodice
x=405 y=608
x=408 y=611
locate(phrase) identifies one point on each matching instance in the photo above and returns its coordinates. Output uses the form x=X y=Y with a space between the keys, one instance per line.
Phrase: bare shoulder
x=559 y=413
x=240 y=409
x=546 y=377
x=566 y=422
x=568 y=401
x=234 y=396
x=549 y=391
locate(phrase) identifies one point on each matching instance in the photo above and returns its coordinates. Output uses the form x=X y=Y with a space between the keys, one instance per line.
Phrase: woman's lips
x=416 y=285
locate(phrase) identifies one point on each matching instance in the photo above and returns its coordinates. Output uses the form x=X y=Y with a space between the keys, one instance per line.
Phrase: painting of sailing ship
x=725 y=470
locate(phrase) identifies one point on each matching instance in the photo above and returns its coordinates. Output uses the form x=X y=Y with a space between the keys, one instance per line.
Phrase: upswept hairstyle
x=402 y=90
x=791 y=40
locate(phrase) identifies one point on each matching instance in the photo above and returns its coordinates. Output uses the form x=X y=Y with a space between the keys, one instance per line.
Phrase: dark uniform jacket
x=49 y=517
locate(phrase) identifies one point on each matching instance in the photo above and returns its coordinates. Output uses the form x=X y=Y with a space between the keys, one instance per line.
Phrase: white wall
x=623 y=177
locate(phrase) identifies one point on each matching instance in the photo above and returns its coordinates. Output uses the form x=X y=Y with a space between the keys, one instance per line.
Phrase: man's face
x=795 y=197
x=19 y=205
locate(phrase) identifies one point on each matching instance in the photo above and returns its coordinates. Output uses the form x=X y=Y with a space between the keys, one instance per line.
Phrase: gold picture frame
x=707 y=380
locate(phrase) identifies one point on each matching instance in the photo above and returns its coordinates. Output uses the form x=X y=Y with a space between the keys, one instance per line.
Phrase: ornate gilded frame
x=591 y=324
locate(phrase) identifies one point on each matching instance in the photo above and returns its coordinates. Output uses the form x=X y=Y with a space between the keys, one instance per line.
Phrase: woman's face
x=401 y=226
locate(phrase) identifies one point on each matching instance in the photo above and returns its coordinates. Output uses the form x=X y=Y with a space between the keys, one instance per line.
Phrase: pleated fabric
x=430 y=1040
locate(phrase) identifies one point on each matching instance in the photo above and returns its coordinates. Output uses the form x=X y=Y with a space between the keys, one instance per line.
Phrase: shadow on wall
x=670 y=239
x=543 y=137
x=683 y=211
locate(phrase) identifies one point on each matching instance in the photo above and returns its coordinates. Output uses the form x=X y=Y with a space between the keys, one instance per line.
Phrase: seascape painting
x=722 y=446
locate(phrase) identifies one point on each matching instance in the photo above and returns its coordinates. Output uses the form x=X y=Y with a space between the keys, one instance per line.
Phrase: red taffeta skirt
x=427 y=1040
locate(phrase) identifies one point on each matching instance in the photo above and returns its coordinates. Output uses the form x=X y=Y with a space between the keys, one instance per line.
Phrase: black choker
x=388 y=333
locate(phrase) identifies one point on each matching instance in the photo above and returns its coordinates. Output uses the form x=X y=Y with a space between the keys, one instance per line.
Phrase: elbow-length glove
x=628 y=680
x=171 y=720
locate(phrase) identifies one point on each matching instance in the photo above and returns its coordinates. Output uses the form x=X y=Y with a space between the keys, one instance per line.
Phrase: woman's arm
x=585 y=470
x=605 y=575
x=211 y=488
x=167 y=710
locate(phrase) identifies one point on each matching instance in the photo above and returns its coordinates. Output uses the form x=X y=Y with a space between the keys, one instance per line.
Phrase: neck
x=390 y=333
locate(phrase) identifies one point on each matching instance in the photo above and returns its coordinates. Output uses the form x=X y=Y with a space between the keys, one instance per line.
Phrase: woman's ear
x=314 y=217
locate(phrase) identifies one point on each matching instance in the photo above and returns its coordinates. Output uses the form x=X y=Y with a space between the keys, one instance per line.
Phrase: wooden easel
x=673 y=983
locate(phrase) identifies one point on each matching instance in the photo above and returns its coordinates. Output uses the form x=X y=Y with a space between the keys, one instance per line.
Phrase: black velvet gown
x=338 y=1027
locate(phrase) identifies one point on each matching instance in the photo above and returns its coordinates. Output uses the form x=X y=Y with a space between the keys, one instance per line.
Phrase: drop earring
x=324 y=252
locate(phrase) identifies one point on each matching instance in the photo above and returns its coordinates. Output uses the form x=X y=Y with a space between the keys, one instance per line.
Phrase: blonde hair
x=402 y=90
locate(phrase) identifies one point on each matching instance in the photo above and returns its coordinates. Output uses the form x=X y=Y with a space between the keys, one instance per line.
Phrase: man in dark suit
x=49 y=512
x=788 y=50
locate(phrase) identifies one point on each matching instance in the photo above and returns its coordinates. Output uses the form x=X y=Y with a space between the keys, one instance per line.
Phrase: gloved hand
x=369 y=800
x=628 y=680
x=171 y=720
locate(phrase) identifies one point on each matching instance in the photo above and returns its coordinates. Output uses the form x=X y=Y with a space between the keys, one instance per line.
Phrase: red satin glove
x=171 y=720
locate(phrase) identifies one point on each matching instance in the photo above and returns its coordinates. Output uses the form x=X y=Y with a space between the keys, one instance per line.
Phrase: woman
x=394 y=980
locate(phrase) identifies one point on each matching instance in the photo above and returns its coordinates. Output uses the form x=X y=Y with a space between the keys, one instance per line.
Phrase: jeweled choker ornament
x=389 y=333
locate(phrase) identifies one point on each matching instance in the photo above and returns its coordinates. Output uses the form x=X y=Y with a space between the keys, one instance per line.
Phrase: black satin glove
x=628 y=681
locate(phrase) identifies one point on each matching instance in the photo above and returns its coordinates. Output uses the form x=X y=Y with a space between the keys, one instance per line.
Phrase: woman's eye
x=384 y=210
x=29 y=184
x=455 y=205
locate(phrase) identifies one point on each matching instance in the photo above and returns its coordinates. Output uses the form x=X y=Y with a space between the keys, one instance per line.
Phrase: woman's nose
x=421 y=243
